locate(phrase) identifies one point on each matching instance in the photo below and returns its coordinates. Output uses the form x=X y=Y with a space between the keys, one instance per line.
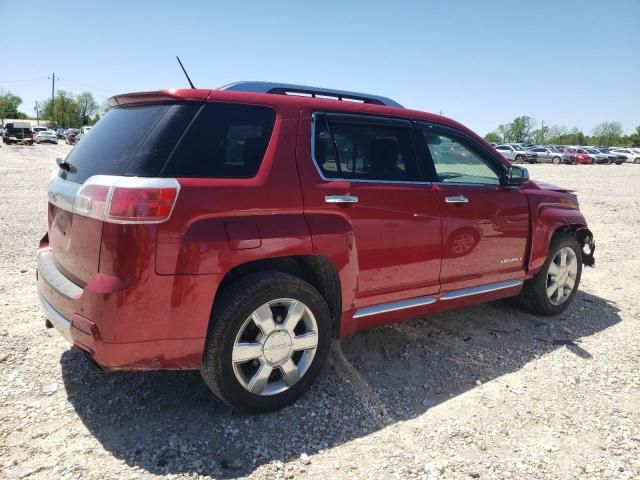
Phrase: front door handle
x=340 y=199
x=458 y=199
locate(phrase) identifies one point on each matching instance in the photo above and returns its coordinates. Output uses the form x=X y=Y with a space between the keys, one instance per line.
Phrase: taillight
x=127 y=199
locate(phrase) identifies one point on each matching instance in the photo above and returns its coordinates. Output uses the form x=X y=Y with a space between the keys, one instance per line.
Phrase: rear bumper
x=61 y=324
x=153 y=324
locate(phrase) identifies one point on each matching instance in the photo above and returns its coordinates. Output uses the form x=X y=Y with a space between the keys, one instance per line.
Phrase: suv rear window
x=225 y=141
x=129 y=141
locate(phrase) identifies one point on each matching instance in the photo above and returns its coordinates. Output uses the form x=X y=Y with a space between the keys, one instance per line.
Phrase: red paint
x=148 y=290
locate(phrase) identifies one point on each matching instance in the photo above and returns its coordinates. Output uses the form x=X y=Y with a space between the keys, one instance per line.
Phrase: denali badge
x=511 y=260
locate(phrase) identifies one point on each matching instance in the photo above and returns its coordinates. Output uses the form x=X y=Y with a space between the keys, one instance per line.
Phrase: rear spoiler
x=191 y=94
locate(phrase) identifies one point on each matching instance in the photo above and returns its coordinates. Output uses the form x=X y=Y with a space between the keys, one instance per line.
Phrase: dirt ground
x=486 y=392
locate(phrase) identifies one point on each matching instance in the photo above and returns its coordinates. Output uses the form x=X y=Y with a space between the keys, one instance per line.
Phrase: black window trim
x=359 y=119
x=492 y=162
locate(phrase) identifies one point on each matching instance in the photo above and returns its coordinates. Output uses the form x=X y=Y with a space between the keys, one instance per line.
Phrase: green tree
x=608 y=133
x=634 y=138
x=9 y=104
x=493 y=137
x=502 y=130
x=87 y=107
x=540 y=135
x=519 y=130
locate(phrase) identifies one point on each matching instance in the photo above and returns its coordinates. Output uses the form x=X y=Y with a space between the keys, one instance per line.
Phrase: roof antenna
x=185 y=72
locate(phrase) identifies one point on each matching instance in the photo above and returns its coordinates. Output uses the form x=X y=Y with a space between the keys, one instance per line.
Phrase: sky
x=571 y=63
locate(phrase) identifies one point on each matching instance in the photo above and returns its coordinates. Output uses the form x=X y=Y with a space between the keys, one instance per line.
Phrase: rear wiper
x=63 y=164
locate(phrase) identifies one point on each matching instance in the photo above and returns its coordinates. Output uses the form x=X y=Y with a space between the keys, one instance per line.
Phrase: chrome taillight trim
x=64 y=193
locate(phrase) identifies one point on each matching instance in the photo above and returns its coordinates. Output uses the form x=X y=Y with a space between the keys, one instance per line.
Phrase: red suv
x=237 y=231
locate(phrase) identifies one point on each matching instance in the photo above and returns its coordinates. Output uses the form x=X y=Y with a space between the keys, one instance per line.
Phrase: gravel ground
x=486 y=392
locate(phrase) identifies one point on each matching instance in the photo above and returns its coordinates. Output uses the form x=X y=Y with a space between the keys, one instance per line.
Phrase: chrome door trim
x=393 y=306
x=491 y=287
x=456 y=199
x=340 y=199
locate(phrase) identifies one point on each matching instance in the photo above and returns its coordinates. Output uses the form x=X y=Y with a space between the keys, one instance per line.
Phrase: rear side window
x=225 y=141
x=364 y=151
x=111 y=147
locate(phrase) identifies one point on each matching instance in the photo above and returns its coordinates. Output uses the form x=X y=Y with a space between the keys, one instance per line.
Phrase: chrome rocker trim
x=421 y=301
x=491 y=287
x=393 y=306
x=58 y=321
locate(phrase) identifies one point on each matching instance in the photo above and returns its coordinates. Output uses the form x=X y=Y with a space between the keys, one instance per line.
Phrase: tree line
x=524 y=129
x=66 y=110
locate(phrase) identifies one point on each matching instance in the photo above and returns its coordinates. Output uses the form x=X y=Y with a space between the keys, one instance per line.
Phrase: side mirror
x=517 y=175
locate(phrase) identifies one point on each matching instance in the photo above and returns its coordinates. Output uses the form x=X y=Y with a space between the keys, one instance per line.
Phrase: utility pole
x=53 y=102
x=37 y=113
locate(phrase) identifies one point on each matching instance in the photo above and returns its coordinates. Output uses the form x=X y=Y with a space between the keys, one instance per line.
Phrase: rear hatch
x=131 y=140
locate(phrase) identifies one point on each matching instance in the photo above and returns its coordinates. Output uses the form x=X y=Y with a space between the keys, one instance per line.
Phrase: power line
x=85 y=85
x=25 y=80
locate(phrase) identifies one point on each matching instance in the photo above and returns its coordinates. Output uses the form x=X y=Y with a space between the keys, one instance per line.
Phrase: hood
x=548 y=186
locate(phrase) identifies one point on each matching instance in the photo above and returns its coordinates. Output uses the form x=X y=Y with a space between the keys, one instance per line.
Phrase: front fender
x=547 y=222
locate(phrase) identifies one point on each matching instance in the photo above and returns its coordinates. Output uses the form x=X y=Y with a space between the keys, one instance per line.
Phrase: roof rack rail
x=315 y=92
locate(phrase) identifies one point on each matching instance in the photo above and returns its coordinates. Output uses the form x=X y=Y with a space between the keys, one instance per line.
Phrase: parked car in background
x=82 y=133
x=35 y=130
x=17 y=132
x=70 y=136
x=596 y=156
x=572 y=156
x=515 y=153
x=545 y=155
x=60 y=133
x=626 y=155
x=247 y=265
x=45 y=136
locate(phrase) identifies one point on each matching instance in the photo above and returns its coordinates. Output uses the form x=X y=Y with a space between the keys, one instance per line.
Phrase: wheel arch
x=317 y=270
x=549 y=221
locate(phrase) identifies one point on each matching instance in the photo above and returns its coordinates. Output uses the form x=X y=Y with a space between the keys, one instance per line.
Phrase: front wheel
x=552 y=289
x=637 y=160
x=270 y=334
x=519 y=159
x=556 y=160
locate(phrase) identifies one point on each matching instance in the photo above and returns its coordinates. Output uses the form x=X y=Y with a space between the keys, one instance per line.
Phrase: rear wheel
x=552 y=289
x=270 y=333
x=556 y=160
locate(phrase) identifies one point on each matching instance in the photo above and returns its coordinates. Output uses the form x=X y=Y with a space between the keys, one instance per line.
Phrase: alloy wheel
x=561 y=276
x=275 y=346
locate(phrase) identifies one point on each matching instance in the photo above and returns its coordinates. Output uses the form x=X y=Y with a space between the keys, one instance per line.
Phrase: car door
x=360 y=175
x=485 y=225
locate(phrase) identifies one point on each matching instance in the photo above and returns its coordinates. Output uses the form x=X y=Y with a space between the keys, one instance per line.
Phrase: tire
x=556 y=160
x=534 y=295
x=519 y=159
x=234 y=316
x=636 y=160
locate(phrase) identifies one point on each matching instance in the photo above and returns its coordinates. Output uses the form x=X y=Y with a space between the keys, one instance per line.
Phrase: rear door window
x=373 y=150
x=225 y=141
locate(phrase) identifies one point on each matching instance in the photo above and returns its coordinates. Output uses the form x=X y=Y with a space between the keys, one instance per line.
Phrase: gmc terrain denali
x=237 y=231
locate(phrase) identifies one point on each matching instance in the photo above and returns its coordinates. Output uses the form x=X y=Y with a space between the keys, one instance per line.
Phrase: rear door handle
x=340 y=199
x=458 y=199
